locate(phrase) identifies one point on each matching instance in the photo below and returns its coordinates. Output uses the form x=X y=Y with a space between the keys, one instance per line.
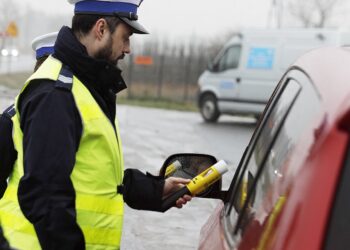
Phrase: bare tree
x=313 y=13
x=8 y=13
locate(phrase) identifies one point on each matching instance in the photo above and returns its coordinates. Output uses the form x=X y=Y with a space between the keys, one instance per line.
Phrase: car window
x=230 y=59
x=265 y=138
x=270 y=161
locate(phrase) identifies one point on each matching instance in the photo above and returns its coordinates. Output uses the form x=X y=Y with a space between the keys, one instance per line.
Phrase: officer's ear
x=100 y=28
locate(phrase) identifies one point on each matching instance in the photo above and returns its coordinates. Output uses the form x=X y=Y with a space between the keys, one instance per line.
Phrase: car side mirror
x=188 y=165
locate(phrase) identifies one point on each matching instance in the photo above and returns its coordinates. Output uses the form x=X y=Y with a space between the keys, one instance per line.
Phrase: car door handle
x=238 y=80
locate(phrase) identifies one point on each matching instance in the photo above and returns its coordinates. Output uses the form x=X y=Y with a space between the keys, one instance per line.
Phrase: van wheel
x=209 y=108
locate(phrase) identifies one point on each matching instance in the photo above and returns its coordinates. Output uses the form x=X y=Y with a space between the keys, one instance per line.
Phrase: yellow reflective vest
x=97 y=172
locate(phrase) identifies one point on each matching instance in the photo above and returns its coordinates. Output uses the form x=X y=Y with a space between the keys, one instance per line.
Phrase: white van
x=243 y=75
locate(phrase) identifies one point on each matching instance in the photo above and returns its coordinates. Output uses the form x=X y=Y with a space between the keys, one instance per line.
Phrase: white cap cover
x=44 y=45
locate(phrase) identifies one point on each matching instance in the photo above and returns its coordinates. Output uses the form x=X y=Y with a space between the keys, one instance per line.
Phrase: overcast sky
x=176 y=17
x=204 y=18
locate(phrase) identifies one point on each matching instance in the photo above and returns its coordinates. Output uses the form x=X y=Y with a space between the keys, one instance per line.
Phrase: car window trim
x=262 y=165
x=296 y=68
x=249 y=150
x=241 y=168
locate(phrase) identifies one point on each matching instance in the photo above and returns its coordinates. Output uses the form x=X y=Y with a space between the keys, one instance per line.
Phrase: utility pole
x=280 y=13
x=275 y=17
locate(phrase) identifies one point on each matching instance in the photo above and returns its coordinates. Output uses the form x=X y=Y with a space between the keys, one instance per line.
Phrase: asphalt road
x=149 y=136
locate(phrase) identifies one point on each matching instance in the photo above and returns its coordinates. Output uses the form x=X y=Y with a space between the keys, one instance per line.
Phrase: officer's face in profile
x=117 y=44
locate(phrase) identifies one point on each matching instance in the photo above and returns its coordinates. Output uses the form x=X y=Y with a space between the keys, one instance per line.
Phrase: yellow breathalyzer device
x=198 y=184
x=176 y=165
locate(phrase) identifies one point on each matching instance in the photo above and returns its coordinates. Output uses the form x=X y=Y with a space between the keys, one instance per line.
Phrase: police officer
x=70 y=160
x=43 y=47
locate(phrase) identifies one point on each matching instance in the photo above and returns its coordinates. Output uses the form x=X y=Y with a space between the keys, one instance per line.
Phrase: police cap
x=44 y=45
x=126 y=10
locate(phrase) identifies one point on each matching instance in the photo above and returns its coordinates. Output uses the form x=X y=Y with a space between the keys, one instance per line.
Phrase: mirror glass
x=188 y=166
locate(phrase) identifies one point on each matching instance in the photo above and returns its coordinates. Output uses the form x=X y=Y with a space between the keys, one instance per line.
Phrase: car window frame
x=233 y=189
x=265 y=157
x=291 y=74
x=249 y=149
x=301 y=77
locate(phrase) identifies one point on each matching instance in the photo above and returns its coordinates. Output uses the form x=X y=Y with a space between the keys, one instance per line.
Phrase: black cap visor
x=128 y=18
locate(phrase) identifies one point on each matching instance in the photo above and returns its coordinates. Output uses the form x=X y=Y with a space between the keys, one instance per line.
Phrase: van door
x=225 y=72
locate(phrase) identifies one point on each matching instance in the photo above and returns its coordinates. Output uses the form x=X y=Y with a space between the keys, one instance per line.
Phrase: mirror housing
x=189 y=165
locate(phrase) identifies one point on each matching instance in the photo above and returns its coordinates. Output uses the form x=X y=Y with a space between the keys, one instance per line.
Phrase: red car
x=291 y=190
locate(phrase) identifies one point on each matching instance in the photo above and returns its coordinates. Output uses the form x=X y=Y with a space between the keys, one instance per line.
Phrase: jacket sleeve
x=4 y=245
x=51 y=129
x=8 y=154
x=142 y=191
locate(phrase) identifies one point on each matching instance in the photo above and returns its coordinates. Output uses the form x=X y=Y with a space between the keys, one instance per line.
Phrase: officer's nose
x=127 y=49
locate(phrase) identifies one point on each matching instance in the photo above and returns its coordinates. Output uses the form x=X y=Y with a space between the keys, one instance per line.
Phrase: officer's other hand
x=173 y=184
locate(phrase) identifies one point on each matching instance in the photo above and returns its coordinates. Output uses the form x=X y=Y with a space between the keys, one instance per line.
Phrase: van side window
x=230 y=59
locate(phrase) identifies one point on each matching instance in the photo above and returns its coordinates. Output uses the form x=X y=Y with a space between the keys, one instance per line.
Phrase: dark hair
x=83 y=23
x=40 y=61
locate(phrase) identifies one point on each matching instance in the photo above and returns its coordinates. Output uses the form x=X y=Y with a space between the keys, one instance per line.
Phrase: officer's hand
x=174 y=183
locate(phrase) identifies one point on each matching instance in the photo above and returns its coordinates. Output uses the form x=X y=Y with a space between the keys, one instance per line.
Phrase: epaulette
x=65 y=79
x=10 y=111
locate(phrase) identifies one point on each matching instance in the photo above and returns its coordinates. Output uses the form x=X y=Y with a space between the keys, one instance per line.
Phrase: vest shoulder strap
x=65 y=79
x=10 y=111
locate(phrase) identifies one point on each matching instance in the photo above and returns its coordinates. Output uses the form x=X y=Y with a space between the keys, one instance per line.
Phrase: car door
x=256 y=193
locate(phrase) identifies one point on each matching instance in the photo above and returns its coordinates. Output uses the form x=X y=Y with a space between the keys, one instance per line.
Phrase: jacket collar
x=104 y=77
